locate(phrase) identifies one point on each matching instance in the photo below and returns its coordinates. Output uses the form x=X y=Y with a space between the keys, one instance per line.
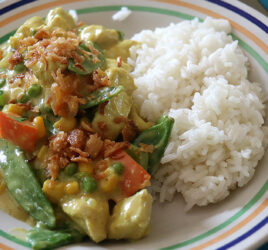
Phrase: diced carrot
x=135 y=176
x=21 y=133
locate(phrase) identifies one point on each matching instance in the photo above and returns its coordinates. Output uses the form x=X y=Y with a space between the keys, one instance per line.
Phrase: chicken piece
x=90 y=213
x=131 y=217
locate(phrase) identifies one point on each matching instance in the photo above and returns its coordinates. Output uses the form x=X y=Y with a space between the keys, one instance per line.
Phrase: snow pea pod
x=140 y=157
x=49 y=119
x=23 y=185
x=101 y=95
x=89 y=64
x=49 y=126
x=42 y=238
x=158 y=136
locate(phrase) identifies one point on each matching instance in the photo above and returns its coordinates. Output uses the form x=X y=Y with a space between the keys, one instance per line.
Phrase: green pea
x=34 y=90
x=2 y=98
x=25 y=98
x=70 y=169
x=88 y=184
x=2 y=82
x=118 y=168
x=19 y=68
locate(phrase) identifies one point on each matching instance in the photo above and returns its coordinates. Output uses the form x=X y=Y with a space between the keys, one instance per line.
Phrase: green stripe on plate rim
x=249 y=205
x=14 y=239
x=243 y=44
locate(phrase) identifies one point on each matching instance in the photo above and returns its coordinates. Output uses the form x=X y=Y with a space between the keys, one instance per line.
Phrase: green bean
x=70 y=169
x=23 y=185
x=2 y=82
x=42 y=238
x=34 y=90
x=118 y=168
x=158 y=136
x=101 y=95
x=19 y=68
x=88 y=65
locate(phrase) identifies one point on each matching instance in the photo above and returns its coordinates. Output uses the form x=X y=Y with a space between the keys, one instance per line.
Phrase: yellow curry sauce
x=74 y=152
x=29 y=49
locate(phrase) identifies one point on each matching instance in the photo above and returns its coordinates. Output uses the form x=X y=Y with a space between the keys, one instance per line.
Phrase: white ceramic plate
x=240 y=221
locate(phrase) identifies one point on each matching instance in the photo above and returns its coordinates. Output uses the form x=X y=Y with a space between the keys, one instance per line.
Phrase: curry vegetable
x=34 y=90
x=23 y=185
x=139 y=156
x=25 y=98
x=2 y=82
x=70 y=169
x=42 y=238
x=89 y=64
x=158 y=136
x=88 y=183
x=2 y=98
x=19 y=68
x=18 y=130
x=67 y=105
x=102 y=95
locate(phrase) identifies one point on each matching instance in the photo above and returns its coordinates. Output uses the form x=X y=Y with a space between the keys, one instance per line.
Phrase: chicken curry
x=74 y=152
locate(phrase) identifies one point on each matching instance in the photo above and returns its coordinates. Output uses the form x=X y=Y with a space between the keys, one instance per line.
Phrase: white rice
x=122 y=14
x=197 y=74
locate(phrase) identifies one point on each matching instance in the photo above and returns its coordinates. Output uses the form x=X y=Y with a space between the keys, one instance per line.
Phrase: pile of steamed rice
x=197 y=74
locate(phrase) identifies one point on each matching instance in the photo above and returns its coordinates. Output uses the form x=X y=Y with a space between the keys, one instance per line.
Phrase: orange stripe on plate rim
x=234 y=229
x=240 y=28
x=35 y=9
x=237 y=26
x=4 y=247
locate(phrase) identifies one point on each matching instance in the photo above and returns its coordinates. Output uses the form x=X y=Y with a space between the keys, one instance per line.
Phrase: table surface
x=256 y=5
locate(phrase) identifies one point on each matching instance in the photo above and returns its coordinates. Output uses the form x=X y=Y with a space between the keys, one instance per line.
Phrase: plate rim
x=265 y=68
